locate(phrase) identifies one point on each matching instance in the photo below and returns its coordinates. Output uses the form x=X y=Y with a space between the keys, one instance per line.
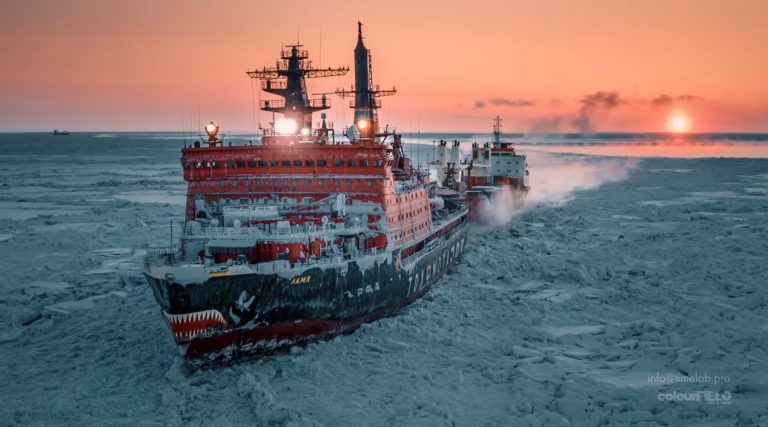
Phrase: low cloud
x=601 y=100
x=592 y=104
x=506 y=102
x=664 y=100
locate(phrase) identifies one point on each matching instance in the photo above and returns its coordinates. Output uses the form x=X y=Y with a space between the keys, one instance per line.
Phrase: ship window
x=252 y=163
x=338 y=183
x=351 y=163
x=275 y=163
x=230 y=163
x=379 y=162
x=309 y=162
x=370 y=183
x=322 y=162
x=263 y=163
x=349 y=183
x=241 y=163
x=286 y=162
x=244 y=201
x=215 y=164
x=297 y=162
x=363 y=162
x=339 y=162
x=186 y=165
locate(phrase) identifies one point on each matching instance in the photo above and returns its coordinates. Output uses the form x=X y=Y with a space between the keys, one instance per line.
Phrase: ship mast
x=286 y=80
x=364 y=91
x=497 y=132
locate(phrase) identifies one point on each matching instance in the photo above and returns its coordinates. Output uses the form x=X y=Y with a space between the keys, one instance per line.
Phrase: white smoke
x=554 y=179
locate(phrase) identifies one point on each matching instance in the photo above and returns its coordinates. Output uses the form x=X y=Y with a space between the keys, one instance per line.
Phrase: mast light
x=212 y=129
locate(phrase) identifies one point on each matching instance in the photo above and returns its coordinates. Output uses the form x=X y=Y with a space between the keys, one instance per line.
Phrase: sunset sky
x=548 y=66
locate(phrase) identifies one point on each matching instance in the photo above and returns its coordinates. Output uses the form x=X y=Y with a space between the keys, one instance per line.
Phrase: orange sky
x=541 y=65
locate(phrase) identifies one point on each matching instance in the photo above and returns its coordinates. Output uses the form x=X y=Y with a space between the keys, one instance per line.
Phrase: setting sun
x=678 y=122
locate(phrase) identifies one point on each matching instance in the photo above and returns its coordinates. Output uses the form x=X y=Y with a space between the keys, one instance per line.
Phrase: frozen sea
x=631 y=290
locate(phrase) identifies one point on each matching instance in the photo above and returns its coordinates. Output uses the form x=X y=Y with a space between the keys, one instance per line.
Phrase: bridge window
x=275 y=163
x=309 y=162
x=363 y=162
x=241 y=163
x=297 y=162
x=322 y=162
x=252 y=163
x=379 y=162
x=339 y=162
x=351 y=163
x=286 y=162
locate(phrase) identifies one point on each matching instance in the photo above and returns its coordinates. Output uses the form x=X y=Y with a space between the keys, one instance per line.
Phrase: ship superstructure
x=305 y=235
x=492 y=168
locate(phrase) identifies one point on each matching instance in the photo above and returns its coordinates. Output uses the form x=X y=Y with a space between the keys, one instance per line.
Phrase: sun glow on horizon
x=678 y=122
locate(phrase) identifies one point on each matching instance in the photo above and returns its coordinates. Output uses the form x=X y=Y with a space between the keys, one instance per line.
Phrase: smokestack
x=363 y=89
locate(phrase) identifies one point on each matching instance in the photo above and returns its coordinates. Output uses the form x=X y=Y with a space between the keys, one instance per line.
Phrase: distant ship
x=306 y=235
x=60 y=132
x=494 y=170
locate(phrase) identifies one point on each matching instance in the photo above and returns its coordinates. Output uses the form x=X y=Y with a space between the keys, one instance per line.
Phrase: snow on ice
x=568 y=313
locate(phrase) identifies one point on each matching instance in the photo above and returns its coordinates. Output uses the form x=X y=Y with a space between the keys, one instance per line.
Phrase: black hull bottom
x=258 y=342
x=228 y=317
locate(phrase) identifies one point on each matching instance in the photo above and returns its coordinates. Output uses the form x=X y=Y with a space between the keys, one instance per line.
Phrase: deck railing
x=273 y=231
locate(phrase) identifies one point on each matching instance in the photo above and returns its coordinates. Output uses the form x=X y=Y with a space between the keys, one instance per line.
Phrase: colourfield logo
x=706 y=396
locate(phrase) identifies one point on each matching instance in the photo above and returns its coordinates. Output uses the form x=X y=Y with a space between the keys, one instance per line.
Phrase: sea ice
x=564 y=315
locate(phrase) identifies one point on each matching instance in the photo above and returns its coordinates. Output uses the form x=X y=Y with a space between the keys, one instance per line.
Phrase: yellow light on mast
x=212 y=129
x=362 y=124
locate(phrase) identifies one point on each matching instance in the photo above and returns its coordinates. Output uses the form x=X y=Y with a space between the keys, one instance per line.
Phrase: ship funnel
x=365 y=94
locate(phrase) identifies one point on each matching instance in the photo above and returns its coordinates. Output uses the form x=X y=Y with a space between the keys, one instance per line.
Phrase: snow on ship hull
x=230 y=317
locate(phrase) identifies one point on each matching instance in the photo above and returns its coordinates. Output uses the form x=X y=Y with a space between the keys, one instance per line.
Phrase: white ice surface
x=556 y=318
